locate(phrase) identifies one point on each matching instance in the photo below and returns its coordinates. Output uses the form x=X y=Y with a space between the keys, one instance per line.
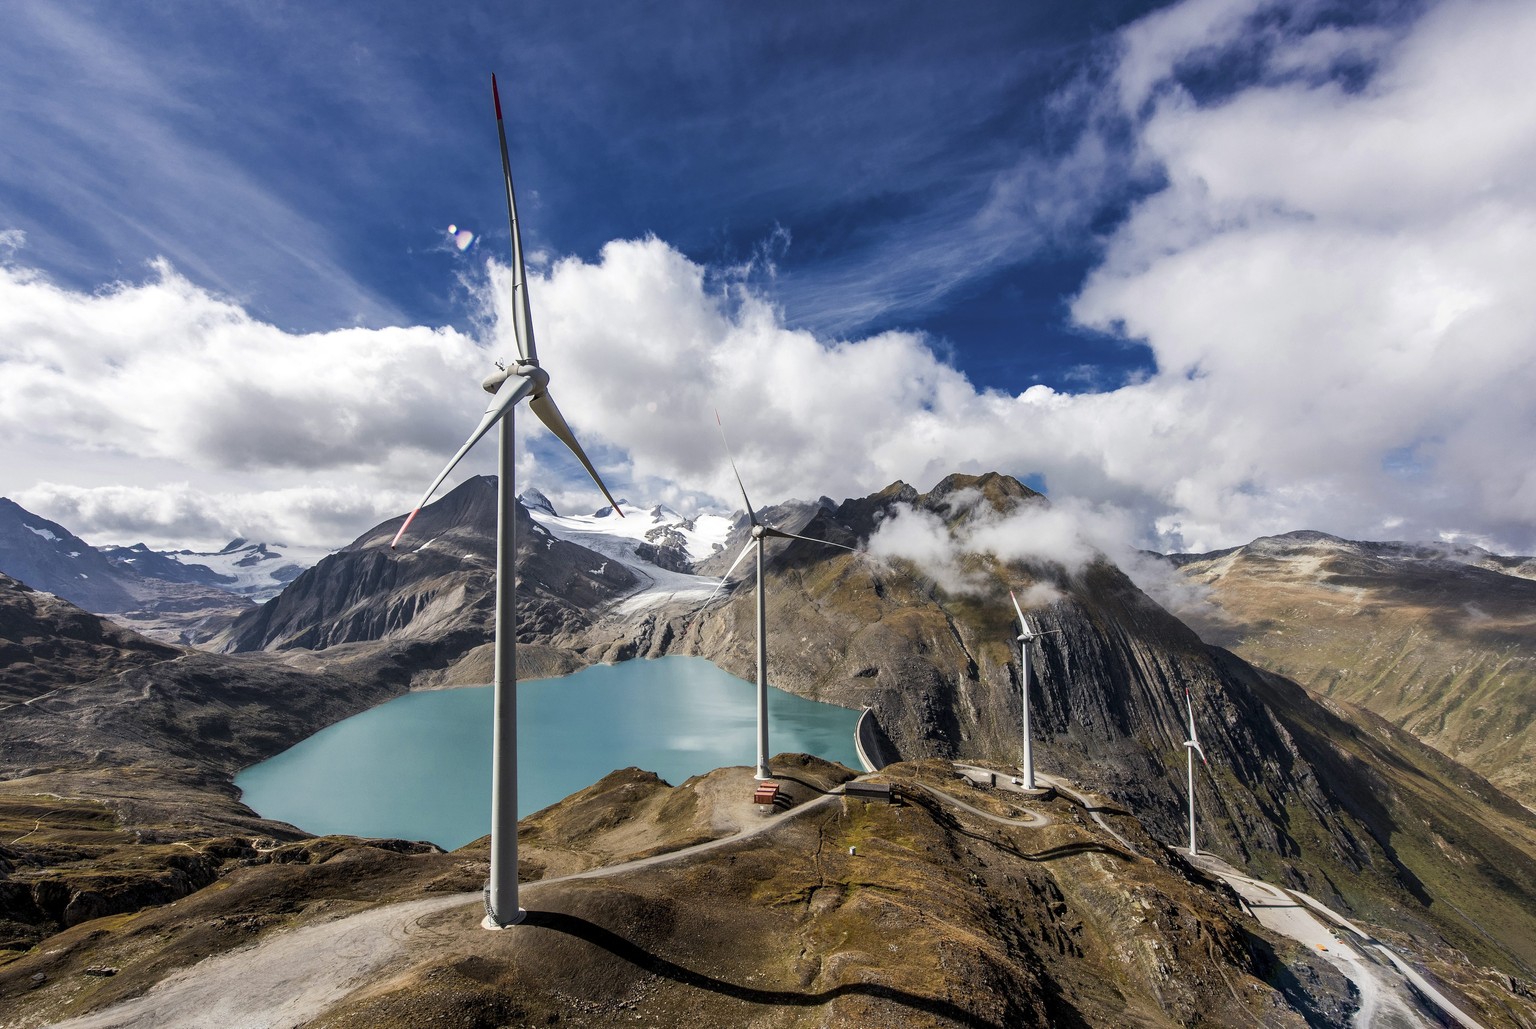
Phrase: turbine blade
x=751 y=514
x=543 y=405
x=1025 y=634
x=739 y=559
x=501 y=404
x=768 y=530
x=522 y=316
x=1194 y=740
x=721 y=585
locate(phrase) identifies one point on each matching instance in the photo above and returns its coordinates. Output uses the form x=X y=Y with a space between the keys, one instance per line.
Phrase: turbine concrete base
x=489 y=921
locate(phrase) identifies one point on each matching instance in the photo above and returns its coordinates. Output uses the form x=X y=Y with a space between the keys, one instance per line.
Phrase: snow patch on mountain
x=255 y=570
x=646 y=540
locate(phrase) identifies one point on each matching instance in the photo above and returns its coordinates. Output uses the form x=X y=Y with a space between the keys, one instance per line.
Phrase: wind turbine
x=1191 y=746
x=501 y=905
x=1026 y=637
x=760 y=534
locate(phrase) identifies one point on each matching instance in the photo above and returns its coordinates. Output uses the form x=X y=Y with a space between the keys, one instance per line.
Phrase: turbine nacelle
x=1026 y=634
x=537 y=377
x=492 y=382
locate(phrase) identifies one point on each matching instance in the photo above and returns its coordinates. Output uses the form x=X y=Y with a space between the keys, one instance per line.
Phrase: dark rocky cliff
x=47 y=556
x=1294 y=791
x=438 y=586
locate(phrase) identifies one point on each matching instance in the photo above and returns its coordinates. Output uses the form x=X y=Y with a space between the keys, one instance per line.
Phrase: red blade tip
x=403 y=526
x=496 y=95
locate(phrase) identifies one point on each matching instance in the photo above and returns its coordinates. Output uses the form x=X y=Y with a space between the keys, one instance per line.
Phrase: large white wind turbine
x=523 y=379
x=760 y=534
x=1191 y=746
x=1026 y=637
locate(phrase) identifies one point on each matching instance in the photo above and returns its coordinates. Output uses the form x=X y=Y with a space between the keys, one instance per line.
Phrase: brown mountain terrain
x=117 y=758
x=46 y=643
x=839 y=912
x=1367 y=819
x=1298 y=794
x=436 y=591
x=1437 y=645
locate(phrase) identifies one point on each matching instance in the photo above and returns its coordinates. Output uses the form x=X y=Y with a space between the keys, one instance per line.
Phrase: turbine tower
x=1191 y=746
x=760 y=534
x=523 y=379
x=1026 y=637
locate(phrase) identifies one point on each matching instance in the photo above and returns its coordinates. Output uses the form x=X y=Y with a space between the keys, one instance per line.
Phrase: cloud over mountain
x=1331 y=279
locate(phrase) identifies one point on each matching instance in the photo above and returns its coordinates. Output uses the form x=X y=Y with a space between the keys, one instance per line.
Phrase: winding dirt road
x=293 y=977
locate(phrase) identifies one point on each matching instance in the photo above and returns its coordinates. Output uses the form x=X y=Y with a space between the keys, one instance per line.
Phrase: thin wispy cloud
x=127 y=153
x=1322 y=251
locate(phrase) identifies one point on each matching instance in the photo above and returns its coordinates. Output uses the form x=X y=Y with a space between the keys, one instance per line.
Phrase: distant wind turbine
x=1191 y=746
x=1026 y=637
x=760 y=533
x=501 y=904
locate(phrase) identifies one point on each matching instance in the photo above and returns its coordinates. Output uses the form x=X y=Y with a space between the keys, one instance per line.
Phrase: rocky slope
x=1364 y=818
x=1440 y=641
x=148 y=592
x=1298 y=794
x=47 y=643
x=47 y=556
x=846 y=913
x=117 y=756
x=436 y=589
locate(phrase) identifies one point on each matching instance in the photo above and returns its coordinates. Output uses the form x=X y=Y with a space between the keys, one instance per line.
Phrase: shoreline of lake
x=418 y=766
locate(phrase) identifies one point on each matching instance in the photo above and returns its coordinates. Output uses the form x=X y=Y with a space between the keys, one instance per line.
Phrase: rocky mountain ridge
x=1439 y=641
x=47 y=556
x=1365 y=818
x=178 y=597
x=436 y=589
x=1300 y=795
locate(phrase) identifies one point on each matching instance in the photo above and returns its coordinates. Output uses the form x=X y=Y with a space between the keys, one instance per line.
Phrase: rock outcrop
x=437 y=587
x=1439 y=640
x=1296 y=793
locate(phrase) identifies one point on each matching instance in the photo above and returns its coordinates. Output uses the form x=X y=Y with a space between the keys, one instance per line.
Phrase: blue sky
x=306 y=159
x=1210 y=268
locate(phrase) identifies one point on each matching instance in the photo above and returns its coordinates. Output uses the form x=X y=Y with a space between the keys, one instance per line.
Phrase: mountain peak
x=1002 y=492
x=534 y=500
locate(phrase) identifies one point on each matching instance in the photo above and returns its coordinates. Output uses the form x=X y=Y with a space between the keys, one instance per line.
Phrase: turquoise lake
x=419 y=767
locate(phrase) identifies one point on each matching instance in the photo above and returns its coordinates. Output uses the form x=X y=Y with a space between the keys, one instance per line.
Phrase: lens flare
x=462 y=238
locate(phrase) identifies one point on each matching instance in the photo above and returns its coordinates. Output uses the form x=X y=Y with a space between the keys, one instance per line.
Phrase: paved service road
x=1385 y=1000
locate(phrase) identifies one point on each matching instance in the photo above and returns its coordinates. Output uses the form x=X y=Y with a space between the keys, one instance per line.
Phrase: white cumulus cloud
x=1332 y=280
